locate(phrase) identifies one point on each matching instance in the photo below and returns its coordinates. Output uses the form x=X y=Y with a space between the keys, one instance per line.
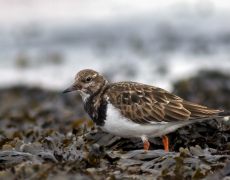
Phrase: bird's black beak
x=67 y=90
x=70 y=89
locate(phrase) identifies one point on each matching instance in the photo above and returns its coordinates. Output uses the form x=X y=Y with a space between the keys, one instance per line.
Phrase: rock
x=12 y=158
x=45 y=135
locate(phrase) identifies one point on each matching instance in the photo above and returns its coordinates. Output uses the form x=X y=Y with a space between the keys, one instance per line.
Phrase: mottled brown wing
x=145 y=104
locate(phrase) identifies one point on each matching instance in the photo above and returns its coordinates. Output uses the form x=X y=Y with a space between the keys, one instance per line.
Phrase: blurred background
x=44 y=43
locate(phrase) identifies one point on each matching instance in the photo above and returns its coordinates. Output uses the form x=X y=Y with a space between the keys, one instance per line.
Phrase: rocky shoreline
x=46 y=135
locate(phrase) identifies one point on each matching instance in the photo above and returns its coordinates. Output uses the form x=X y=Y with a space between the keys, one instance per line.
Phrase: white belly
x=118 y=125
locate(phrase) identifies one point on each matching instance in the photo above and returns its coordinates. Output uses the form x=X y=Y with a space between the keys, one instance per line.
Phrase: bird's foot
x=145 y=143
x=165 y=141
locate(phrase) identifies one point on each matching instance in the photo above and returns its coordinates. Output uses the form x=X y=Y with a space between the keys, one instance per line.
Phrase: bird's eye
x=88 y=79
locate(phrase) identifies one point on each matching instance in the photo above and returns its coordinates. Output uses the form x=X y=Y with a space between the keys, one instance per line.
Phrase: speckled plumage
x=146 y=104
x=133 y=109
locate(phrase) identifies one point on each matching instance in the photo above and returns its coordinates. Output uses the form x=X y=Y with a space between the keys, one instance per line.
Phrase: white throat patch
x=84 y=96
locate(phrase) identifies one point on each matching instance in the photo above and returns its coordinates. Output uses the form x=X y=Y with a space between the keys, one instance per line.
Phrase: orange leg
x=145 y=142
x=165 y=141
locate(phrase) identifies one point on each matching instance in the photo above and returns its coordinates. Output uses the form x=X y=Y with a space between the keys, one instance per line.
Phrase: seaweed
x=45 y=135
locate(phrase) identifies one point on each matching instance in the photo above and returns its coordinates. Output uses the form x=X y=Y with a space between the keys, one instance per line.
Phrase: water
x=143 y=44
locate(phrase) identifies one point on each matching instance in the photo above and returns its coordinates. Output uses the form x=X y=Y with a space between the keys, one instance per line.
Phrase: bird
x=131 y=109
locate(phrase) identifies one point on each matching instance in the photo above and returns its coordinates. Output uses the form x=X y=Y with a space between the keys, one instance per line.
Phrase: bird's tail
x=225 y=115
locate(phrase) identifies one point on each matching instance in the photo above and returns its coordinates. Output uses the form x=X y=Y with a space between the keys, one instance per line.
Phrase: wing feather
x=146 y=104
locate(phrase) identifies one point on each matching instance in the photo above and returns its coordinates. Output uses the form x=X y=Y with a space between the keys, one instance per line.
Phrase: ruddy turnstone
x=131 y=109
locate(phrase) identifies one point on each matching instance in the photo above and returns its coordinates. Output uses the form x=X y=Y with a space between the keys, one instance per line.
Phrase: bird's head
x=87 y=82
